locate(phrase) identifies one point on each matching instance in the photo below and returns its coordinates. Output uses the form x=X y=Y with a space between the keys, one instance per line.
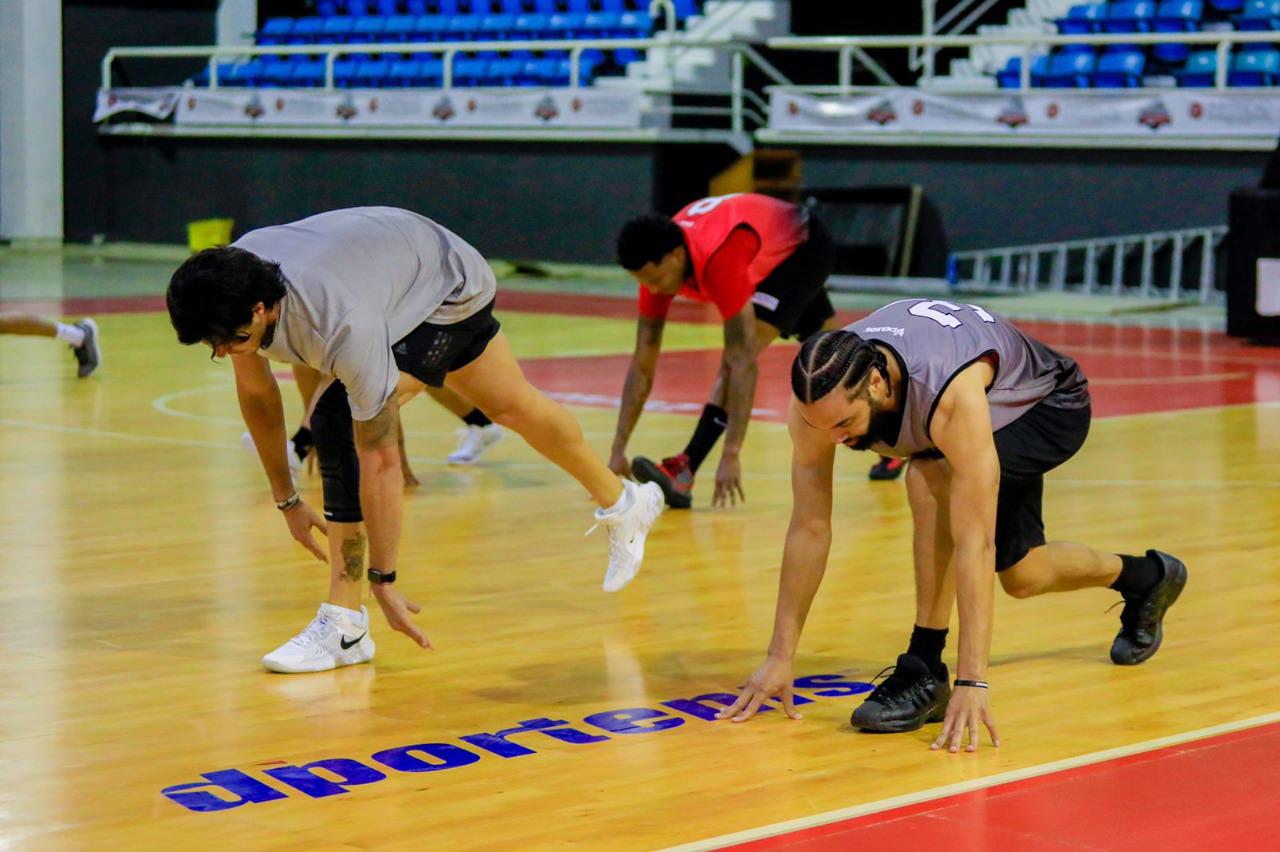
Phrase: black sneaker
x=1142 y=620
x=88 y=354
x=887 y=468
x=904 y=701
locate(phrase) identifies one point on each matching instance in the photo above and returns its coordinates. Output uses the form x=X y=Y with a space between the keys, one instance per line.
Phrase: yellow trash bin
x=209 y=233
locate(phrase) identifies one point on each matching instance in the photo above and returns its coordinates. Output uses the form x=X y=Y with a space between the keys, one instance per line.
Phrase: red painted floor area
x=1216 y=793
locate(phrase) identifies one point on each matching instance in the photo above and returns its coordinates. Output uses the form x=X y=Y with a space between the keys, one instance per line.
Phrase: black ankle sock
x=710 y=427
x=927 y=644
x=476 y=418
x=1138 y=575
x=302 y=442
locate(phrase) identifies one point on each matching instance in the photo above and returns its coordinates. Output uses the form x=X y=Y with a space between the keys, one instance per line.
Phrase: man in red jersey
x=763 y=263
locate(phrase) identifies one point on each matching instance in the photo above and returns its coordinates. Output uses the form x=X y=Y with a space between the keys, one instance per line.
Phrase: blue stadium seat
x=432 y=70
x=532 y=26
x=306 y=30
x=416 y=7
x=636 y=24
x=1120 y=70
x=504 y=71
x=372 y=73
x=326 y=8
x=469 y=70
x=344 y=72
x=1227 y=5
x=1069 y=71
x=616 y=7
x=430 y=27
x=1254 y=68
x=277 y=72
x=566 y=24
x=1083 y=19
x=537 y=72
x=444 y=7
x=586 y=71
x=405 y=72
x=1259 y=15
x=498 y=26
x=336 y=30
x=201 y=77
x=545 y=7
x=685 y=9
x=601 y=25
x=1010 y=77
x=1200 y=70
x=308 y=73
x=1129 y=16
x=511 y=7
x=464 y=28
x=1177 y=16
x=578 y=7
x=245 y=74
x=368 y=30
x=624 y=56
x=275 y=31
x=399 y=28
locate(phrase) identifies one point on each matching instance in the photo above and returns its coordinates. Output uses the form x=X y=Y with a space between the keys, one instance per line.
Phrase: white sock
x=624 y=502
x=70 y=334
x=357 y=617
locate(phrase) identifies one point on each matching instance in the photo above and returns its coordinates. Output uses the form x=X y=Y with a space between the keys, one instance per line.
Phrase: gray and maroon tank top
x=935 y=340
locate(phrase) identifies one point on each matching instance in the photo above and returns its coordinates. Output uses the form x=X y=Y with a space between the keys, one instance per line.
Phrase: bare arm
x=381 y=485
x=962 y=430
x=263 y=412
x=804 y=562
x=639 y=381
x=739 y=378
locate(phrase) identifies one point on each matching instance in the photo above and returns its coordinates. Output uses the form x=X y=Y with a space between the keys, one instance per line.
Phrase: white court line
x=969 y=786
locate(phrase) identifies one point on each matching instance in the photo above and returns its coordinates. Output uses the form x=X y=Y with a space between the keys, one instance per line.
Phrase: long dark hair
x=834 y=359
x=213 y=293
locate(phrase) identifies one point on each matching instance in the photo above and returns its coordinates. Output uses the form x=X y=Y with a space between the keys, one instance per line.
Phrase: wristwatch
x=381 y=578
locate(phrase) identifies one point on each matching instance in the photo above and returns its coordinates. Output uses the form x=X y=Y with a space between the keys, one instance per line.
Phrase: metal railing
x=744 y=104
x=923 y=59
x=850 y=47
x=1177 y=265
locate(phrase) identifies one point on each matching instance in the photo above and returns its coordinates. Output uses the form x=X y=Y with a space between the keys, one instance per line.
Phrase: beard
x=880 y=429
x=268 y=336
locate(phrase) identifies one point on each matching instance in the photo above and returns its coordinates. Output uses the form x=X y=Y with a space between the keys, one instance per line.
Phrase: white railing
x=950 y=23
x=744 y=104
x=1125 y=265
x=849 y=47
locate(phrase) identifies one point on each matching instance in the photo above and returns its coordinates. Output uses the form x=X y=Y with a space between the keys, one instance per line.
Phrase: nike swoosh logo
x=345 y=644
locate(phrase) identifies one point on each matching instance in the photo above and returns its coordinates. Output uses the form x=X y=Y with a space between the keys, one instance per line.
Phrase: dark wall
x=991 y=197
x=546 y=201
x=88 y=29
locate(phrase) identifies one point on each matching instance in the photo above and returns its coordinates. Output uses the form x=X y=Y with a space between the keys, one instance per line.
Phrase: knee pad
x=335 y=445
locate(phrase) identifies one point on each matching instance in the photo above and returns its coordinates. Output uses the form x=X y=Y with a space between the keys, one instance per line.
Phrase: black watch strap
x=381 y=578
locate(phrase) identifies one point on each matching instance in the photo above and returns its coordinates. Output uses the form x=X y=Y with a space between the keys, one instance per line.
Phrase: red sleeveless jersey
x=708 y=223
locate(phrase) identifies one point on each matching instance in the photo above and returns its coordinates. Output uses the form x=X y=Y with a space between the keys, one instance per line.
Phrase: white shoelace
x=313 y=633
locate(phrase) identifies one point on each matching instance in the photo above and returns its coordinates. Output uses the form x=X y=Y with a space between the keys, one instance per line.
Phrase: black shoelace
x=892 y=688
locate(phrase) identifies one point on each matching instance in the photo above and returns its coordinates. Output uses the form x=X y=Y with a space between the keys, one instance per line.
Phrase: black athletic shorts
x=431 y=351
x=1028 y=448
x=793 y=297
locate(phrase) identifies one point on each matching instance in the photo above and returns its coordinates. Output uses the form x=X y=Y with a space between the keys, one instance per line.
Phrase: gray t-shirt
x=935 y=340
x=359 y=280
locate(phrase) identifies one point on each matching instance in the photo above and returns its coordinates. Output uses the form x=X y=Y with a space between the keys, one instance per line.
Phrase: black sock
x=927 y=644
x=1138 y=575
x=476 y=418
x=302 y=442
x=710 y=427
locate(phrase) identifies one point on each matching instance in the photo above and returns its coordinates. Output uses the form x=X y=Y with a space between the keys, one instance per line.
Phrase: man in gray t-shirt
x=983 y=411
x=386 y=303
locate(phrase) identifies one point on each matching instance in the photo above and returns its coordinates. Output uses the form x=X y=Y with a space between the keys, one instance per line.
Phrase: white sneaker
x=475 y=440
x=627 y=531
x=333 y=638
x=290 y=451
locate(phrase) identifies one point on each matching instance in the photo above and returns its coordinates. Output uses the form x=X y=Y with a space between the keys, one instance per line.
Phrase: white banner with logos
x=514 y=108
x=1116 y=113
x=158 y=103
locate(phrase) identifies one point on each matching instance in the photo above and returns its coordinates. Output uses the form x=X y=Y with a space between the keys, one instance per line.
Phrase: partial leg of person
x=675 y=474
x=1030 y=566
x=496 y=384
x=300 y=445
x=339 y=634
x=480 y=433
x=81 y=336
x=919 y=688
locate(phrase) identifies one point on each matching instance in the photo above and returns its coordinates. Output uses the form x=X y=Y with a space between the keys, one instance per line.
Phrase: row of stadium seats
x=331 y=8
x=1124 y=69
x=377 y=28
x=520 y=68
x=1140 y=16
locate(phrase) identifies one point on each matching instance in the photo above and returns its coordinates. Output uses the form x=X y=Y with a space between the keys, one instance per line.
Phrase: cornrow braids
x=835 y=358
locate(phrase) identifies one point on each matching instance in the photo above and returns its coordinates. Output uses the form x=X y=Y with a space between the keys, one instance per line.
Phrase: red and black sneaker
x=673 y=476
x=887 y=468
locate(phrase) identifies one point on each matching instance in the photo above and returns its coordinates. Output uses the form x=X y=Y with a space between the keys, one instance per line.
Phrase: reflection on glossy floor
x=146 y=572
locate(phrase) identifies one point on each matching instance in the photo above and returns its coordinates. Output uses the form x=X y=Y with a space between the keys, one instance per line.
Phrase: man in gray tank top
x=386 y=303
x=983 y=411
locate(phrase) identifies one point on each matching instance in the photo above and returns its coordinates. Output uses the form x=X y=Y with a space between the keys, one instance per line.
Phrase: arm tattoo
x=353 y=556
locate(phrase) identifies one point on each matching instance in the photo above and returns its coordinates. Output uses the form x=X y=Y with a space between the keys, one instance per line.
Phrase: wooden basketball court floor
x=146 y=572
